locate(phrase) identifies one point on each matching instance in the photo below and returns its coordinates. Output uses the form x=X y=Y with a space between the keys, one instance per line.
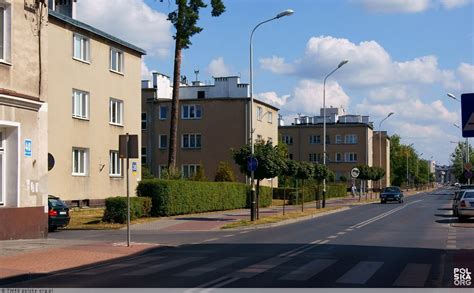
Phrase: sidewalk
x=23 y=258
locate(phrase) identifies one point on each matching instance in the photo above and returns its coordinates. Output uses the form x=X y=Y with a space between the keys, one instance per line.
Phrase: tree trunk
x=258 y=199
x=302 y=195
x=175 y=99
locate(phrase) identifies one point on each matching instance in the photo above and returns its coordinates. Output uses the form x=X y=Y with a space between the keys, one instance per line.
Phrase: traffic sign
x=468 y=174
x=468 y=166
x=355 y=172
x=252 y=164
x=467 y=110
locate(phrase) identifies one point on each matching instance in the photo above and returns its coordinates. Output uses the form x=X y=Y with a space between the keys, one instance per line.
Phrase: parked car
x=58 y=213
x=391 y=193
x=465 y=205
x=456 y=197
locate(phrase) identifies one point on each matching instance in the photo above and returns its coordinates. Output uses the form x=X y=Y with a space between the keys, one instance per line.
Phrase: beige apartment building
x=213 y=120
x=23 y=124
x=94 y=96
x=350 y=141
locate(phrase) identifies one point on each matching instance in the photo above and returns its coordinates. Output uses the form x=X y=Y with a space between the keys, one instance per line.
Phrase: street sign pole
x=128 y=189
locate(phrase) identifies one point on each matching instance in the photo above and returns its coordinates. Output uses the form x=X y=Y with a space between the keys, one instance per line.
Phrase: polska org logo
x=462 y=277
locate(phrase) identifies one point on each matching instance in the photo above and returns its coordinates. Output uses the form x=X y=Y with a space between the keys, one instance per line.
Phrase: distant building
x=94 y=96
x=445 y=174
x=23 y=126
x=350 y=141
x=213 y=119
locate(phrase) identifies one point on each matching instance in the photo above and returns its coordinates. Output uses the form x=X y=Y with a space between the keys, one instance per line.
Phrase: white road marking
x=450 y=246
x=219 y=285
x=210 y=267
x=341 y=233
x=211 y=239
x=360 y=273
x=332 y=237
x=229 y=235
x=112 y=267
x=163 y=266
x=207 y=284
x=244 y=232
x=308 y=247
x=323 y=242
x=260 y=267
x=309 y=270
x=383 y=215
x=414 y=275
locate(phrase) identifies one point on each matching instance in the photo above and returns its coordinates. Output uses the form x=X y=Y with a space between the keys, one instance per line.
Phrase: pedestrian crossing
x=282 y=269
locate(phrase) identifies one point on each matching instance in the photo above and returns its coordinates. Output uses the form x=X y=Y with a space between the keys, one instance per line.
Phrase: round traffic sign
x=252 y=164
x=355 y=172
x=468 y=174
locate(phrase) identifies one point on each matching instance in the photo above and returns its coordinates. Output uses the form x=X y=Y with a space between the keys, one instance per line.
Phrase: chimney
x=65 y=7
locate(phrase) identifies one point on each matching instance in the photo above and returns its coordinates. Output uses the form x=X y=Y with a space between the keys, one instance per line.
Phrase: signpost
x=252 y=164
x=467 y=111
x=355 y=172
x=128 y=148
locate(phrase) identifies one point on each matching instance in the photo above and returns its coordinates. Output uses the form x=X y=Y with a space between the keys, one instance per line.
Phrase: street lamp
x=252 y=173
x=380 y=145
x=324 y=124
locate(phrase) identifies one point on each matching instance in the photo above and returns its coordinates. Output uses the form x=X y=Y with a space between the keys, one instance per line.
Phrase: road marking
x=229 y=235
x=414 y=275
x=308 y=247
x=163 y=266
x=211 y=239
x=323 y=242
x=244 y=232
x=383 y=215
x=260 y=267
x=113 y=267
x=332 y=237
x=349 y=229
x=210 y=267
x=218 y=285
x=309 y=270
x=360 y=273
x=450 y=246
x=207 y=284
x=341 y=233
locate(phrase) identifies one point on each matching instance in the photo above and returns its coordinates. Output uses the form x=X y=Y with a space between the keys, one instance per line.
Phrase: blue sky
x=404 y=56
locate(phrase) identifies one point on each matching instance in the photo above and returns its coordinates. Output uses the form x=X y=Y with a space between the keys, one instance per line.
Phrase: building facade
x=350 y=141
x=23 y=123
x=213 y=120
x=94 y=96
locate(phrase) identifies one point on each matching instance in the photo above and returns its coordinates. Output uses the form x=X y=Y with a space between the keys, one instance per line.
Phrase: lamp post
x=468 y=159
x=252 y=173
x=380 y=145
x=324 y=125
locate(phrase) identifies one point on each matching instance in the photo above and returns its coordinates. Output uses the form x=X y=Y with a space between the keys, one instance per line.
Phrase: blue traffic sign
x=252 y=164
x=467 y=110
x=468 y=174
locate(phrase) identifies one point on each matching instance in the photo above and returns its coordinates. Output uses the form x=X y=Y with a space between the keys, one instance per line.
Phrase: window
x=116 y=60
x=201 y=94
x=163 y=112
x=315 y=158
x=163 y=141
x=191 y=112
x=338 y=157
x=189 y=171
x=270 y=117
x=191 y=141
x=287 y=139
x=80 y=104
x=351 y=157
x=144 y=121
x=79 y=161
x=350 y=139
x=116 y=112
x=315 y=139
x=259 y=113
x=81 y=48
x=115 y=166
x=143 y=156
x=338 y=139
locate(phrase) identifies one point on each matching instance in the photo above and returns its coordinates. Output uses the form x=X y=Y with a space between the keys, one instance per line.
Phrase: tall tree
x=184 y=19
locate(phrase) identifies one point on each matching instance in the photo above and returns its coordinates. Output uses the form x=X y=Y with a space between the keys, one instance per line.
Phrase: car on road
x=391 y=193
x=456 y=197
x=465 y=205
x=58 y=213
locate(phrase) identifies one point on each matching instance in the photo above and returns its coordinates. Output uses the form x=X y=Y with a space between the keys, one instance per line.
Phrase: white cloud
x=272 y=98
x=131 y=20
x=451 y=4
x=387 y=6
x=218 y=68
x=146 y=73
x=466 y=75
x=276 y=65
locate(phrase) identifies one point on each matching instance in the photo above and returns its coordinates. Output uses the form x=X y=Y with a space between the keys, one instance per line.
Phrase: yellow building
x=23 y=123
x=94 y=96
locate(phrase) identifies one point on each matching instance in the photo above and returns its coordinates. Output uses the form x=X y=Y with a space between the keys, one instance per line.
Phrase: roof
x=93 y=30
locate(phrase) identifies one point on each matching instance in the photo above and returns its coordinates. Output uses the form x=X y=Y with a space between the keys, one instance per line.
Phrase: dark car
x=391 y=193
x=58 y=213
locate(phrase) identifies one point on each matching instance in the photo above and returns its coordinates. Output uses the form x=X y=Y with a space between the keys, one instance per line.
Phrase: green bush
x=224 y=173
x=116 y=209
x=177 y=197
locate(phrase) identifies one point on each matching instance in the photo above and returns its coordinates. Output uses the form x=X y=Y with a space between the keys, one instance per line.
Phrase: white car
x=465 y=205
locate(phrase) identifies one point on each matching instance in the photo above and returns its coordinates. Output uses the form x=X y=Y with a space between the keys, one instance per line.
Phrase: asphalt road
x=415 y=244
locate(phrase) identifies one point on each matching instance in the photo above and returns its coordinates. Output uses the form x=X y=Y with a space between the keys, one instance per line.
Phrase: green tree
x=224 y=173
x=271 y=162
x=305 y=171
x=184 y=19
x=458 y=159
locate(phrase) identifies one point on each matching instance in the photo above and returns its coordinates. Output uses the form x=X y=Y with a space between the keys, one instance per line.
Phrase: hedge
x=116 y=209
x=332 y=190
x=178 y=197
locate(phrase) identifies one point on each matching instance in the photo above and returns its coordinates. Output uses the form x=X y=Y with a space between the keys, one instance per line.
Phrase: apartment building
x=94 y=96
x=23 y=124
x=213 y=119
x=350 y=141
